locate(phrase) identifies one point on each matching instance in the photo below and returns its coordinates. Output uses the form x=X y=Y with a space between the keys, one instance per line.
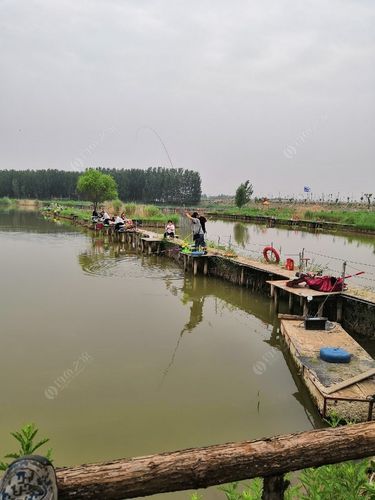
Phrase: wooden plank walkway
x=347 y=389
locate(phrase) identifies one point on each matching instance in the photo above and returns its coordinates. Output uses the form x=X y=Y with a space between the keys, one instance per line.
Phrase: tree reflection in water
x=241 y=234
x=196 y=297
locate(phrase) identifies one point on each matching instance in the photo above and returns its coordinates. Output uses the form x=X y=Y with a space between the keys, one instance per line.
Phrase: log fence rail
x=213 y=465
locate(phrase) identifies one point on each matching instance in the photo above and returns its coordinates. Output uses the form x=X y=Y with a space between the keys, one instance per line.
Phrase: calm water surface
x=156 y=360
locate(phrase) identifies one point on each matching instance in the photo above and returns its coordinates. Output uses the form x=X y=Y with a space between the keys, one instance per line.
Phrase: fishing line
x=160 y=140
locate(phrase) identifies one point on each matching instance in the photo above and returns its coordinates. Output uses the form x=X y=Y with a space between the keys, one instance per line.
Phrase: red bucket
x=289 y=264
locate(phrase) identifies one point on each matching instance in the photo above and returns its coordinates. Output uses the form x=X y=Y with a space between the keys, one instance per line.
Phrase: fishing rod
x=160 y=140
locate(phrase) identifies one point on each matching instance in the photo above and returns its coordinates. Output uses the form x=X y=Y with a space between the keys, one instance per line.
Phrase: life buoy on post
x=268 y=251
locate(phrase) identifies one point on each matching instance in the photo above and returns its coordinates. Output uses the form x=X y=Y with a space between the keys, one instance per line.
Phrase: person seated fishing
x=95 y=216
x=198 y=233
x=105 y=218
x=170 y=230
x=129 y=224
x=119 y=223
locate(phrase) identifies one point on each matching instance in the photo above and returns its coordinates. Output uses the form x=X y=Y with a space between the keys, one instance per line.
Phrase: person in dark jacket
x=198 y=233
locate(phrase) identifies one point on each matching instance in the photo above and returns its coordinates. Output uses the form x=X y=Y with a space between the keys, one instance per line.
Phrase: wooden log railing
x=202 y=467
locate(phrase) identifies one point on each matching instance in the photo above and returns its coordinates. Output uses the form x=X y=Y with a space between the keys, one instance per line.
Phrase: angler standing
x=198 y=233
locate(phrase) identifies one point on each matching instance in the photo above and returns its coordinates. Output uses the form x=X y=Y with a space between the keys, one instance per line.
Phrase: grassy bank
x=145 y=213
x=361 y=219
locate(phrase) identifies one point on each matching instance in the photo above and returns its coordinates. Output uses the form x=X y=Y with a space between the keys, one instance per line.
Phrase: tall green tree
x=153 y=185
x=243 y=194
x=96 y=186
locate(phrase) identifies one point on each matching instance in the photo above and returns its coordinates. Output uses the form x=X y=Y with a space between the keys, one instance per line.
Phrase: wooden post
x=242 y=276
x=339 y=311
x=274 y=487
x=149 y=247
x=205 y=267
x=343 y=273
x=185 y=263
x=276 y=299
x=195 y=266
x=305 y=307
x=302 y=260
x=290 y=304
x=320 y=309
x=219 y=464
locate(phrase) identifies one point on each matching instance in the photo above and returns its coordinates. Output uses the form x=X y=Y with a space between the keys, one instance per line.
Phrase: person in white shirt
x=170 y=230
x=105 y=218
x=119 y=222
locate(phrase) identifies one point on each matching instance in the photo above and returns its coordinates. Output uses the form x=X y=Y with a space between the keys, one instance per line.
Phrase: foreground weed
x=196 y=496
x=346 y=481
x=25 y=438
x=251 y=491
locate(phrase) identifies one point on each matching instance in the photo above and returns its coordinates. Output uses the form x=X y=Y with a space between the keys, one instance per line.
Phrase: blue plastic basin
x=335 y=355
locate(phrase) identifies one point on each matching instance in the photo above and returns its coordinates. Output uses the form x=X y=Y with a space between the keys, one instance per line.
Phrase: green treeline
x=156 y=185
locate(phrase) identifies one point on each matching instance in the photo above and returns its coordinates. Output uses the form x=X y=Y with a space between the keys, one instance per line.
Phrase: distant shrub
x=309 y=214
x=151 y=211
x=117 y=204
x=130 y=209
x=5 y=201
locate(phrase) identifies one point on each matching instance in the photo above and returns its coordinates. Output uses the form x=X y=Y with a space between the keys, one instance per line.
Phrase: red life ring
x=274 y=252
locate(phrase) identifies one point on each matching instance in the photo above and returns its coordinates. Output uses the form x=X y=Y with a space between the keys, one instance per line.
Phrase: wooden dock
x=346 y=389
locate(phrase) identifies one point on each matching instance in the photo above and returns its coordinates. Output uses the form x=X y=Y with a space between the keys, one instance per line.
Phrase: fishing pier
x=346 y=389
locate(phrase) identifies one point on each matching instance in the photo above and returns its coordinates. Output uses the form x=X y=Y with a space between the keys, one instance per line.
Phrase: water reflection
x=193 y=296
x=241 y=234
x=30 y=221
x=112 y=259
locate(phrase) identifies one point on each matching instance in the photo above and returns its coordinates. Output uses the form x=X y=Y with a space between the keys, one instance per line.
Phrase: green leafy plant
x=28 y=446
x=196 y=496
x=236 y=491
x=348 y=480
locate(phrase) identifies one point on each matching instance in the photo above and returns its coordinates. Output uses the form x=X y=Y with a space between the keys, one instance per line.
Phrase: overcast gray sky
x=280 y=92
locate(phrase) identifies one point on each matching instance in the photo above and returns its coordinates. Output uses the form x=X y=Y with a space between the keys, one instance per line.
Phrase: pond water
x=114 y=354
x=325 y=251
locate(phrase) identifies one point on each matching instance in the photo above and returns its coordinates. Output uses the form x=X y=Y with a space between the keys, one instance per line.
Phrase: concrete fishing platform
x=346 y=389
